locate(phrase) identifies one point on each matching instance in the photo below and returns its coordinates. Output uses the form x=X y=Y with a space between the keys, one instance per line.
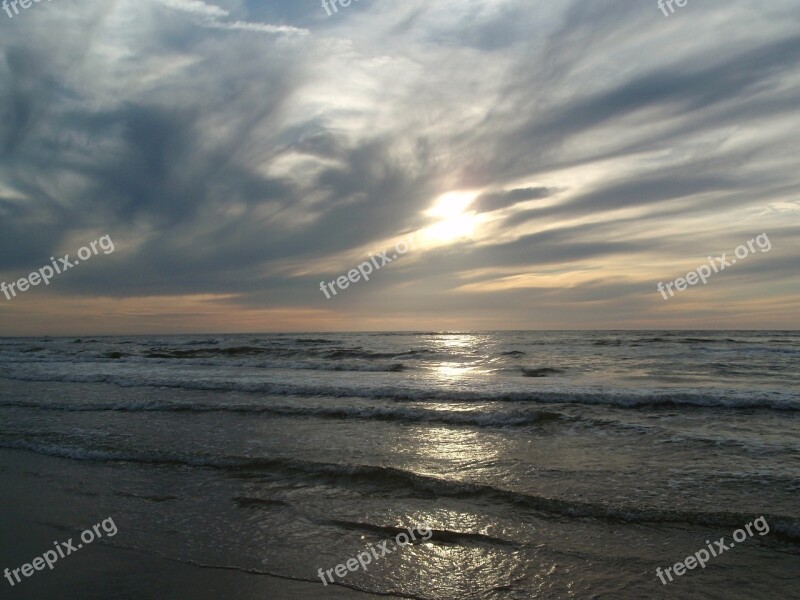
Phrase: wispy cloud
x=602 y=149
x=213 y=16
x=195 y=7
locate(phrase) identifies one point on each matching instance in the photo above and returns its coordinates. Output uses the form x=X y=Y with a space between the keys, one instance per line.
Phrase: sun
x=452 y=222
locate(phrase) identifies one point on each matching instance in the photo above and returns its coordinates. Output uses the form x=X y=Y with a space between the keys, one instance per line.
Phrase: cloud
x=607 y=148
x=195 y=7
x=492 y=201
x=212 y=16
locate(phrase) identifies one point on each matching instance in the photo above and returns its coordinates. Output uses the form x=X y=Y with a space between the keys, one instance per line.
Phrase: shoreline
x=103 y=570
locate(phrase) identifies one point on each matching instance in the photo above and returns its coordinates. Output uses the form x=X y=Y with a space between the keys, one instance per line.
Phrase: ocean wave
x=540 y=372
x=518 y=418
x=494 y=419
x=404 y=481
x=247 y=502
x=447 y=536
x=205 y=352
x=723 y=399
x=326 y=353
x=366 y=354
x=297 y=364
x=156 y=499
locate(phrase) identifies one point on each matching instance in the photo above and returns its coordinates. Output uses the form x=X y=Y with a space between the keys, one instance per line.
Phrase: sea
x=558 y=464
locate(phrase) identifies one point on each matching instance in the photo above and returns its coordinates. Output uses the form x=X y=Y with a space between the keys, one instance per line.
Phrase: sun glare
x=452 y=222
x=450 y=204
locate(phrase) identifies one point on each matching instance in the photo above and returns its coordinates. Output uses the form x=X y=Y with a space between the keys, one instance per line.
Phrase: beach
x=546 y=464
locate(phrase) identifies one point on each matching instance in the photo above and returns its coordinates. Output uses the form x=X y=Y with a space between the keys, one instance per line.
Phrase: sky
x=544 y=165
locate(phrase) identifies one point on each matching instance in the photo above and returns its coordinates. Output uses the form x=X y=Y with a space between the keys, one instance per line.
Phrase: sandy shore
x=106 y=572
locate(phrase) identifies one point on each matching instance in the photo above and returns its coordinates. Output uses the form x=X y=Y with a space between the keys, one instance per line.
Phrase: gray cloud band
x=46 y=273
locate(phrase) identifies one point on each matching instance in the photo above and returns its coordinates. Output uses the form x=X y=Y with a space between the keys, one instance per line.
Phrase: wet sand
x=105 y=571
